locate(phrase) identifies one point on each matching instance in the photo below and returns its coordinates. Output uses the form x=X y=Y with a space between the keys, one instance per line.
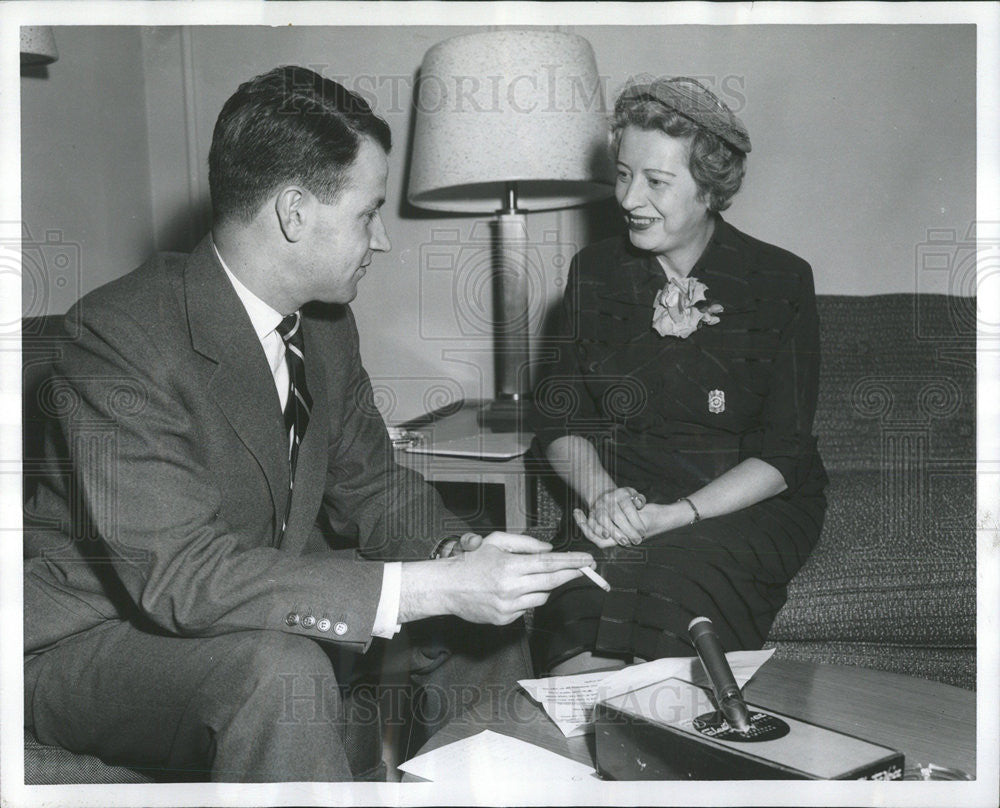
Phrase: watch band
x=439 y=549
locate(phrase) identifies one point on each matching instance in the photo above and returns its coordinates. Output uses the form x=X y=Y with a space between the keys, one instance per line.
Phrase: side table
x=456 y=449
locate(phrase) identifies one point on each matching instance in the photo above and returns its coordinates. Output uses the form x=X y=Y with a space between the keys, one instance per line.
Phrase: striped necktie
x=299 y=401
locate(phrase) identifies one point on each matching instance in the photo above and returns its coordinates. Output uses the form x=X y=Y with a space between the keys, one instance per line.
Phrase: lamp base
x=506 y=414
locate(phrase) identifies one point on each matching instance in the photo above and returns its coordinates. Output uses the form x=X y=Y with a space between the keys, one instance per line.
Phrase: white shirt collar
x=262 y=316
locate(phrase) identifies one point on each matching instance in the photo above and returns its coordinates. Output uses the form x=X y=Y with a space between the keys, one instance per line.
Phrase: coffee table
x=927 y=721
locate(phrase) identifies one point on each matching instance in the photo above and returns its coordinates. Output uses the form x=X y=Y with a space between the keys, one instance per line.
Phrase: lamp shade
x=38 y=45
x=509 y=106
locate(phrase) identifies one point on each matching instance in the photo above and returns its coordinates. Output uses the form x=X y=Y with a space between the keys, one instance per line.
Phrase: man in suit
x=189 y=604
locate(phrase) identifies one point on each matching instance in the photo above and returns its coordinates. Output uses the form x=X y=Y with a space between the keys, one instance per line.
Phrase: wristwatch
x=446 y=547
x=443 y=548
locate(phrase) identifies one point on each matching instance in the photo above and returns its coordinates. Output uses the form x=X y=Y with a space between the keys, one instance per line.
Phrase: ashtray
x=932 y=771
x=403 y=437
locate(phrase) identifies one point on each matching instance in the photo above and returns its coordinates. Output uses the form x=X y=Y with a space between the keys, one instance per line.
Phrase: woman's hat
x=695 y=102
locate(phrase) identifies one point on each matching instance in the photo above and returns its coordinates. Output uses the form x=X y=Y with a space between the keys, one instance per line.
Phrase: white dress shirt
x=265 y=320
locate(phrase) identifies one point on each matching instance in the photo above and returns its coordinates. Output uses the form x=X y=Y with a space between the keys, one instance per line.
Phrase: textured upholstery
x=891 y=583
x=897 y=597
x=52 y=765
x=896 y=366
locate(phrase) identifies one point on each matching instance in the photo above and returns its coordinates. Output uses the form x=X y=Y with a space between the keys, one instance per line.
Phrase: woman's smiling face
x=664 y=210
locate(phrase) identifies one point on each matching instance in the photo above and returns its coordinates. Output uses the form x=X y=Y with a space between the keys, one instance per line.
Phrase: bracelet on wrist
x=697 y=516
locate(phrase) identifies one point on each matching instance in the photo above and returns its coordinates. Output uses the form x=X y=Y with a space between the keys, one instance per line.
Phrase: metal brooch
x=716 y=401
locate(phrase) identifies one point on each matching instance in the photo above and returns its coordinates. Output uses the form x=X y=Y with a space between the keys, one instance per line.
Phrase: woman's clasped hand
x=614 y=518
x=622 y=516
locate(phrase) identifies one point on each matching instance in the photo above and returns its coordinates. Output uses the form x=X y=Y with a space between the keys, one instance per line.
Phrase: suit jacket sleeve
x=390 y=511
x=156 y=508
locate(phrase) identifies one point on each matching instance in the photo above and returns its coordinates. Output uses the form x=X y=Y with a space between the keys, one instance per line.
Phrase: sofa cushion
x=950 y=666
x=896 y=369
x=899 y=587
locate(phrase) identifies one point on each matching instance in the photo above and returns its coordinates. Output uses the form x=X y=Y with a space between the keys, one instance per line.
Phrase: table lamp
x=508 y=122
x=38 y=45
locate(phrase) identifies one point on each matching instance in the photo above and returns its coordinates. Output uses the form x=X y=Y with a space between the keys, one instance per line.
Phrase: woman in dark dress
x=680 y=408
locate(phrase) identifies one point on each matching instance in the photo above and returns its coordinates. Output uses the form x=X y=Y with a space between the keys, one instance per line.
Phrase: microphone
x=713 y=658
x=635 y=741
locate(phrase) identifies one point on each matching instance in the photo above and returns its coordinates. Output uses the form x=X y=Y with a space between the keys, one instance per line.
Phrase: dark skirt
x=732 y=569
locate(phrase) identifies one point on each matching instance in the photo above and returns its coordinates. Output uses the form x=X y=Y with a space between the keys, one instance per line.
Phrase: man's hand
x=494 y=582
x=614 y=518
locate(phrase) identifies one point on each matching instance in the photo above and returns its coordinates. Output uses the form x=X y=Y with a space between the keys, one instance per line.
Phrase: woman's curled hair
x=716 y=167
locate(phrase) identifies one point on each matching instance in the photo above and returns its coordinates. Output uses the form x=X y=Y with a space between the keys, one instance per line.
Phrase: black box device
x=671 y=731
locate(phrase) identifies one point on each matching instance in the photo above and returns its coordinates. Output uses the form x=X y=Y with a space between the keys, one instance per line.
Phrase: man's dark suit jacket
x=169 y=511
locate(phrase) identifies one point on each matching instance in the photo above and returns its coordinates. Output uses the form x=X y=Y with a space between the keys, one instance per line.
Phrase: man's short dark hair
x=289 y=125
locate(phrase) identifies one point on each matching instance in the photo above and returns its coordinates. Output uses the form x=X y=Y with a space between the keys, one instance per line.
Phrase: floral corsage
x=681 y=308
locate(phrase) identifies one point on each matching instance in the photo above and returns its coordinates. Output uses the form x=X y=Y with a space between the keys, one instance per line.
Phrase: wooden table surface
x=928 y=722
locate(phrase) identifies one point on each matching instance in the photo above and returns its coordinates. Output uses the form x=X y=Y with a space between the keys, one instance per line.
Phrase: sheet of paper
x=492 y=757
x=744 y=664
x=569 y=700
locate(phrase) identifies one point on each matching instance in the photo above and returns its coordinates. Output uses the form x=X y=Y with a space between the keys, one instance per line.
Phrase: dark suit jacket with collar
x=167 y=473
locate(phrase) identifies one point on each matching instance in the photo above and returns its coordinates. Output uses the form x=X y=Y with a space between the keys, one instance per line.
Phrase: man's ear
x=290 y=206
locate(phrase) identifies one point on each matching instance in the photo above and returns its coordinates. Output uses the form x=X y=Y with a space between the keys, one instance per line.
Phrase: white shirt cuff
x=387 y=615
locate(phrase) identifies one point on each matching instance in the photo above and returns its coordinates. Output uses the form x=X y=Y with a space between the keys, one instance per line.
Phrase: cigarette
x=597 y=579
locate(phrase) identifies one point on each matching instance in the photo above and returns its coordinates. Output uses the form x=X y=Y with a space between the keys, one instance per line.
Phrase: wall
x=864 y=139
x=863 y=136
x=85 y=185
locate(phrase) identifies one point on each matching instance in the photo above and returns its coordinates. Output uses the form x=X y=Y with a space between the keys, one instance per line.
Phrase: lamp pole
x=511 y=291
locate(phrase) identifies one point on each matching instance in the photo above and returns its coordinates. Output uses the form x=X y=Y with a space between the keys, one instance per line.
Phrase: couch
x=891 y=584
